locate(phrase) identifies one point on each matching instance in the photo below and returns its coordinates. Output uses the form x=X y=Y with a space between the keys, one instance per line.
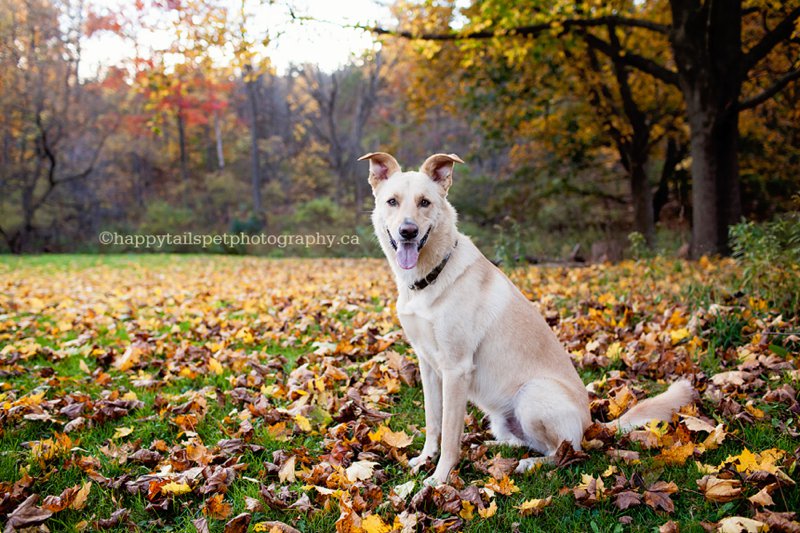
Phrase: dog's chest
x=417 y=322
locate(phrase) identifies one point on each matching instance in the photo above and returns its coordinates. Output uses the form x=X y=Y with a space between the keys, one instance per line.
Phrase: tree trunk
x=642 y=197
x=255 y=164
x=707 y=47
x=218 y=136
x=182 y=144
x=716 y=198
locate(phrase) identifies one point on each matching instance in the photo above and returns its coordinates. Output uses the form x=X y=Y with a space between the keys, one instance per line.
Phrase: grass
x=290 y=292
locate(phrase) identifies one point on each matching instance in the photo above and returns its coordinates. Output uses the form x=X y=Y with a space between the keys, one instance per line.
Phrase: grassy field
x=189 y=393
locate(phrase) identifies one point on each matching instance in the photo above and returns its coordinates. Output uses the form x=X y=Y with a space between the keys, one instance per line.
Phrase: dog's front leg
x=455 y=386
x=432 y=391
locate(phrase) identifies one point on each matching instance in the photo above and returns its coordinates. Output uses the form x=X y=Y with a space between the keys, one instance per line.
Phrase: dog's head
x=409 y=205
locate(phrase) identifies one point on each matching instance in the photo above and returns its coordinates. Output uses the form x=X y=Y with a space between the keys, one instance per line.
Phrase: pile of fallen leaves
x=258 y=395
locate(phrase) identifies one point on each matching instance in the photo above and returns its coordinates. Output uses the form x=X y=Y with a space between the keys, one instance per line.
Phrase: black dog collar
x=433 y=274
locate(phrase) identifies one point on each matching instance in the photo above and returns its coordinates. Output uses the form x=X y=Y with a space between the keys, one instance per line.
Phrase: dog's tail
x=660 y=407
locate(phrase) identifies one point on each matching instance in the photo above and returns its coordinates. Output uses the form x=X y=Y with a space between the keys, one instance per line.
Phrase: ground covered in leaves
x=201 y=394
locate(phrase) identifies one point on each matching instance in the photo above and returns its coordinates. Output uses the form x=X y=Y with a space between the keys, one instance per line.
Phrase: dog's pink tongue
x=407 y=255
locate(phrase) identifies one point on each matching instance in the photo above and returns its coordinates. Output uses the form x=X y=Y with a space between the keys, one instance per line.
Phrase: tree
x=707 y=46
x=52 y=136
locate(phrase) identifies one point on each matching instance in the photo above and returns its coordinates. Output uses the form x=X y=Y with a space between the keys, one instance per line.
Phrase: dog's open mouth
x=408 y=251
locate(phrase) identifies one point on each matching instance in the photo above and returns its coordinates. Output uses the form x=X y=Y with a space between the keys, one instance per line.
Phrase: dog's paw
x=418 y=462
x=432 y=481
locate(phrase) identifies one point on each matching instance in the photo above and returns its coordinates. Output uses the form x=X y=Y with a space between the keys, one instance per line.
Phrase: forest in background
x=580 y=123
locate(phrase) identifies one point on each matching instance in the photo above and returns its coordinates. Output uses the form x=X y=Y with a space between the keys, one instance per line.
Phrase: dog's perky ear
x=381 y=167
x=440 y=168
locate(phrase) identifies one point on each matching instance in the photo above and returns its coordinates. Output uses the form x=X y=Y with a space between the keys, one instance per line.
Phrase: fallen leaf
x=533 y=507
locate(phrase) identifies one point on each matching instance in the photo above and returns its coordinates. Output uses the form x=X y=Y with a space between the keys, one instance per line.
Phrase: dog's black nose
x=408 y=230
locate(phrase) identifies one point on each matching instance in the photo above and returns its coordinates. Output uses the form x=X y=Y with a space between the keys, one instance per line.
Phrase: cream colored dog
x=476 y=336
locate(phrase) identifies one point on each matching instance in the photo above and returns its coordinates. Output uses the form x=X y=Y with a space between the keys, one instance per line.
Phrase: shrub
x=769 y=254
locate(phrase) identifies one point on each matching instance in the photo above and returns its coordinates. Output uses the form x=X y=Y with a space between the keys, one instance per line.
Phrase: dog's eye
x=392 y=202
x=424 y=202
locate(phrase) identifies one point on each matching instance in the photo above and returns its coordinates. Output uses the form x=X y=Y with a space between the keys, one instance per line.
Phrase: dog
x=476 y=336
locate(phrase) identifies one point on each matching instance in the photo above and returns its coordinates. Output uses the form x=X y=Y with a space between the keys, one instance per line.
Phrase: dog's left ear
x=439 y=167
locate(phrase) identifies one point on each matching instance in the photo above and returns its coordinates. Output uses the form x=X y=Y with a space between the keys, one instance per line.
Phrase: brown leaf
x=669 y=527
x=566 y=455
x=500 y=466
x=657 y=496
x=27 y=514
x=720 y=490
x=201 y=525
x=117 y=517
x=238 y=524
x=217 y=508
x=271 y=526
x=628 y=498
x=779 y=522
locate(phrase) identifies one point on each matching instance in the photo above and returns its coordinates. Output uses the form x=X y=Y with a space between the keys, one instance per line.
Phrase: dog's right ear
x=381 y=167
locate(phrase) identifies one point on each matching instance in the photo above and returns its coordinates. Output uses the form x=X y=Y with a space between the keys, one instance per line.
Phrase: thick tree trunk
x=642 y=197
x=707 y=46
x=716 y=201
x=255 y=163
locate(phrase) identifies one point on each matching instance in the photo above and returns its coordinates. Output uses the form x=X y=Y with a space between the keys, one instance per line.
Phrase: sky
x=323 y=41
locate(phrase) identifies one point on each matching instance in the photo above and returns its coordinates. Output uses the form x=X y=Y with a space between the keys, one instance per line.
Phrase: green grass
x=691 y=508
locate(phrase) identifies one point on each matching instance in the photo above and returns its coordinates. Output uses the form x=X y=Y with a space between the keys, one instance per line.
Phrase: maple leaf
x=740 y=524
x=504 y=486
x=360 y=470
x=763 y=498
x=626 y=499
x=677 y=454
x=237 y=524
x=217 y=508
x=287 y=471
x=27 y=514
x=489 y=511
x=374 y=524
x=720 y=490
x=533 y=507
x=657 y=496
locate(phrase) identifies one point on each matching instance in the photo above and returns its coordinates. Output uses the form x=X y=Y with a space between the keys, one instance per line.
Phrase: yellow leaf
x=505 y=486
x=374 y=524
x=396 y=439
x=81 y=496
x=533 y=507
x=677 y=454
x=215 y=366
x=122 y=432
x=467 y=510
x=489 y=511
x=677 y=335
x=303 y=423
x=176 y=488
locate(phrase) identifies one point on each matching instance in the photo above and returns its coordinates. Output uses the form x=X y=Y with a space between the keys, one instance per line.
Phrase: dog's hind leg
x=548 y=415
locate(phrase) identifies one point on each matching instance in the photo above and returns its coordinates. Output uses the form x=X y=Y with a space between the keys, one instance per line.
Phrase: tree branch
x=770 y=40
x=524 y=31
x=771 y=91
x=648 y=66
